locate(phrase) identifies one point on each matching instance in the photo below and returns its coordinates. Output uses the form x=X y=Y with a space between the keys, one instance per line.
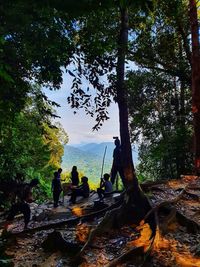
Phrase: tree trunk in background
x=182 y=125
x=195 y=81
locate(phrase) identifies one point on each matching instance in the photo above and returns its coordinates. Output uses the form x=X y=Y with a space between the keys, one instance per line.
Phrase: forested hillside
x=89 y=159
x=87 y=162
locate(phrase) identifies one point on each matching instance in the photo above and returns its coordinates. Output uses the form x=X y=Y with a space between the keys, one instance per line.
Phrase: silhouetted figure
x=56 y=188
x=59 y=173
x=21 y=206
x=75 y=176
x=105 y=186
x=117 y=162
x=83 y=190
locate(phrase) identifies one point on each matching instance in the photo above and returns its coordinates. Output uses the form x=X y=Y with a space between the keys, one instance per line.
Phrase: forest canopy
x=41 y=41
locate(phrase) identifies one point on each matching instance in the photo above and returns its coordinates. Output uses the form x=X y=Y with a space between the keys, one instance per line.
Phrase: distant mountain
x=87 y=162
x=99 y=149
x=88 y=159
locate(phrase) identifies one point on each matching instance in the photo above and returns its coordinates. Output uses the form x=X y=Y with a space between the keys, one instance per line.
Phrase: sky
x=79 y=126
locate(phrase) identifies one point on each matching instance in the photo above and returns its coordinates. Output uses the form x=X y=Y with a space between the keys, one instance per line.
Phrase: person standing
x=117 y=162
x=24 y=197
x=75 y=176
x=56 y=188
x=59 y=173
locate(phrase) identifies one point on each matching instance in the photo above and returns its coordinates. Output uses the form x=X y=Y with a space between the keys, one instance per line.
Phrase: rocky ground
x=176 y=242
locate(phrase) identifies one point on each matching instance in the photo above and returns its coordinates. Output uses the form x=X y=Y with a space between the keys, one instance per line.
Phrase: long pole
x=103 y=162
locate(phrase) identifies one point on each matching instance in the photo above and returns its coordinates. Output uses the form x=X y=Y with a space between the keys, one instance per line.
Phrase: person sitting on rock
x=82 y=190
x=56 y=188
x=105 y=186
x=24 y=197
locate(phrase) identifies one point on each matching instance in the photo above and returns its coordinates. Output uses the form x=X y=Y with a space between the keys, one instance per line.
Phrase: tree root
x=168 y=220
x=105 y=225
x=148 y=185
x=192 y=195
x=165 y=203
x=75 y=220
x=192 y=226
x=128 y=255
x=128 y=212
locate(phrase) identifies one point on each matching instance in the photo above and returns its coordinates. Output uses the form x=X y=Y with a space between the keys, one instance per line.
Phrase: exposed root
x=105 y=226
x=71 y=221
x=192 y=195
x=165 y=203
x=128 y=255
x=168 y=220
x=192 y=226
x=125 y=214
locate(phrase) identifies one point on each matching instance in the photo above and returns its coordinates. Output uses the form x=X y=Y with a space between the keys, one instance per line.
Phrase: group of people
x=76 y=189
x=106 y=186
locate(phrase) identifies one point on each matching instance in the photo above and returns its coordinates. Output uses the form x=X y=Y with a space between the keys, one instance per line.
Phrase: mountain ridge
x=88 y=158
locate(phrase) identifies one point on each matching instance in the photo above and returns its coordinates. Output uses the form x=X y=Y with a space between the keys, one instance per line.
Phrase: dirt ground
x=178 y=245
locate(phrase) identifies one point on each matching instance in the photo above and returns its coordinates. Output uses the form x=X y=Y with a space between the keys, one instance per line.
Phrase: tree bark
x=128 y=166
x=195 y=81
x=135 y=204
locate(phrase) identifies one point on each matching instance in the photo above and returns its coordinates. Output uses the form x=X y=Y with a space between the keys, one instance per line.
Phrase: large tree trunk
x=122 y=102
x=135 y=204
x=195 y=81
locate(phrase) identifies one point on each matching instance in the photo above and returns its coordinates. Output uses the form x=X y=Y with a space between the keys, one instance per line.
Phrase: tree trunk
x=182 y=125
x=135 y=204
x=122 y=102
x=195 y=82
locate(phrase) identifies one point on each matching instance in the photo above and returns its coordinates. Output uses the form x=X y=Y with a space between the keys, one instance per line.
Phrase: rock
x=42 y=206
x=40 y=216
x=55 y=242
